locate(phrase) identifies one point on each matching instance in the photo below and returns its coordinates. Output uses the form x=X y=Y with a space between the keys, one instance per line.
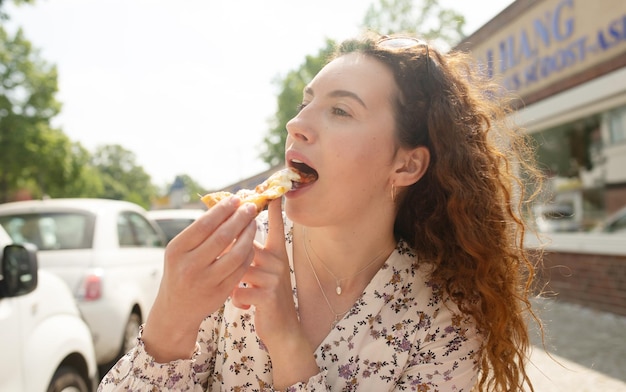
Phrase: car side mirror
x=18 y=270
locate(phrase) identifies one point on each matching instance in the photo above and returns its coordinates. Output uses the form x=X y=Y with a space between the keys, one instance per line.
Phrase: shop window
x=617 y=125
x=568 y=149
x=571 y=156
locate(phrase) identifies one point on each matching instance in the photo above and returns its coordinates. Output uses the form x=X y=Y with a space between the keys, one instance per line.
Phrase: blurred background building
x=566 y=61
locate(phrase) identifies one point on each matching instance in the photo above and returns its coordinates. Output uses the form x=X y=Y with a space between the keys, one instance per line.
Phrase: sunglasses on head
x=404 y=43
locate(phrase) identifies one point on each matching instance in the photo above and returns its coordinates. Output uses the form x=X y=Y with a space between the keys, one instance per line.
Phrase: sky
x=188 y=86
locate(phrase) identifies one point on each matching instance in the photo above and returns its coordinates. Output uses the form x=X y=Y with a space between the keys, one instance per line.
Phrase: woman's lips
x=308 y=175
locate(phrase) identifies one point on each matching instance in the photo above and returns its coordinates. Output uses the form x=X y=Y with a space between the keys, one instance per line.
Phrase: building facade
x=565 y=61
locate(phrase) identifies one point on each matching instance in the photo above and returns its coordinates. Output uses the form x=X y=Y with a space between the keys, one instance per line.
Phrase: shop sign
x=554 y=40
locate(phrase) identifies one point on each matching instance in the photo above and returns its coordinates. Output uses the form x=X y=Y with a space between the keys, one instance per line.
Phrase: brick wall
x=597 y=281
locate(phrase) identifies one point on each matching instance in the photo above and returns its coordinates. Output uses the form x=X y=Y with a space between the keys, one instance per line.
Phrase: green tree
x=87 y=181
x=41 y=159
x=424 y=18
x=193 y=188
x=62 y=167
x=122 y=178
x=33 y=155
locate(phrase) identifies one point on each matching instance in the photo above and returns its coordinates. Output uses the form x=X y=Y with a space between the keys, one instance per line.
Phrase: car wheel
x=67 y=379
x=130 y=333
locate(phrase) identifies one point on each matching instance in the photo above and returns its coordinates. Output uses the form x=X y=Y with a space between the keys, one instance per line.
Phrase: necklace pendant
x=338 y=290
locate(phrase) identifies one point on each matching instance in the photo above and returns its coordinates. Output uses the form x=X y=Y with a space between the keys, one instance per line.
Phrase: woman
x=400 y=268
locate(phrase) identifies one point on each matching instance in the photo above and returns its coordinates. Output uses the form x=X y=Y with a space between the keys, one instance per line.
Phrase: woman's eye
x=334 y=110
x=340 y=112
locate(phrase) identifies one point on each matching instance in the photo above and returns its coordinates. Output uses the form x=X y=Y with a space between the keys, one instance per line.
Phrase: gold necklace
x=338 y=289
x=338 y=316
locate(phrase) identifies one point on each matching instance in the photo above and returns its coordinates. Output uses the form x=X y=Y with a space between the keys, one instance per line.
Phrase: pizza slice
x=274 y=187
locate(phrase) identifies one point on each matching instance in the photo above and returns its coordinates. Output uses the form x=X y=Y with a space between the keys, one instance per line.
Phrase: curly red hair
x=465 y=215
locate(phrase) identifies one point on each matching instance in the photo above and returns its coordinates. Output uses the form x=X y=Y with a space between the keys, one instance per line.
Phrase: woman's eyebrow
x=349 y=94
x=338 y=93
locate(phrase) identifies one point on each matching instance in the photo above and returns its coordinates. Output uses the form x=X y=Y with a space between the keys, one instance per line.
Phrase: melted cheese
x=274 y=187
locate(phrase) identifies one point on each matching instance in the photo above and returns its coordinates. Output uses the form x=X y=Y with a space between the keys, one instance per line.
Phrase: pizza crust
x=274 y=187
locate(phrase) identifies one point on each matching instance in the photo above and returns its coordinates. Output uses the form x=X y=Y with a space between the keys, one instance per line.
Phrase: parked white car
x=44 y=343
x=551 y=218
x=108 y=253
x=173 y=221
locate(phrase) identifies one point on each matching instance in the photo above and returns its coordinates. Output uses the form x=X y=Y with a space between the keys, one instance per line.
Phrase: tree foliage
x=88 y=181
x=33 y=155
x=122 y=178
x=192 y=187
x=425 y=18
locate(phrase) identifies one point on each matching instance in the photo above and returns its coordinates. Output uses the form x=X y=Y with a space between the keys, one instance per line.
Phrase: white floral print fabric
x=402 y=334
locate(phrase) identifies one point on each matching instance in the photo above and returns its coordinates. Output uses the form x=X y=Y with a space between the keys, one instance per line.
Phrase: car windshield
x=171 y=227
x=51 y=231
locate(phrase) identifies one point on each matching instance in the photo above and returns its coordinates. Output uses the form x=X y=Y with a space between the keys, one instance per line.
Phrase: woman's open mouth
x=308 y=175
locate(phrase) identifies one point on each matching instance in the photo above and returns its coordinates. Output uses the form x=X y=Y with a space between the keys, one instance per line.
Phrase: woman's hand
x=268 y=284
x=268 y=289
x=202 y=266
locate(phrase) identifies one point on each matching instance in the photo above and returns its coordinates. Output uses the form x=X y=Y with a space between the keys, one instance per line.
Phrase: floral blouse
x=402 y=334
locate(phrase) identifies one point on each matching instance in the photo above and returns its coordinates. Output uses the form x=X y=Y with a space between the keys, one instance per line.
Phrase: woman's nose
x=298 y=128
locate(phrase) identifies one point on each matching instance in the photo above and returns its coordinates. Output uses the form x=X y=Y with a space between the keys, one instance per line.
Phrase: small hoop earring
x=393 y=193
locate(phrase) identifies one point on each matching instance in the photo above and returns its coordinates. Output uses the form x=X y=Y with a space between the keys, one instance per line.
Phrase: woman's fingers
x=267 y=282
x=198 y=231
x=202 y=266
x=232 y=265
x=218 y=239
x=255 y=288
x=215 y=265
x=275 y=242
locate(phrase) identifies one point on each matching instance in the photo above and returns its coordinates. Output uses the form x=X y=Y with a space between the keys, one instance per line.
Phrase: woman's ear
x=411 y=165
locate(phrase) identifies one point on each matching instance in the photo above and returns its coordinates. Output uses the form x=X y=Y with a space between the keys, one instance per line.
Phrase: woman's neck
x=345 y=253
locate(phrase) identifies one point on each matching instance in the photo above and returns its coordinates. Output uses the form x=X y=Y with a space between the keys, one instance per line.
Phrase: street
x=590 y=348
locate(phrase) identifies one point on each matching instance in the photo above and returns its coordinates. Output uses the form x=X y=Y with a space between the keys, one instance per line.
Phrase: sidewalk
x=590 y=347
